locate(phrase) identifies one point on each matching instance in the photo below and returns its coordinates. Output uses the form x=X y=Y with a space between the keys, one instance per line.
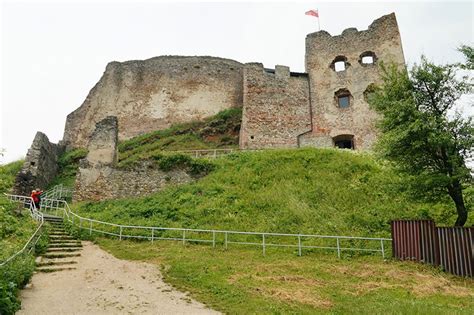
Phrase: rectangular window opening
x=343 y=101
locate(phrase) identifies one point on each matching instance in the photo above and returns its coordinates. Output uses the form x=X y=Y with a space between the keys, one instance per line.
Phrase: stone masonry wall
x=40 y=166
x=153 y=94
x=276 y=107
x=382 y=38
x=111 y=183
x=99 y=179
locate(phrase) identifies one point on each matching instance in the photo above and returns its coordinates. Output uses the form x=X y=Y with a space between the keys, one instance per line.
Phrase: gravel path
x=103 y=284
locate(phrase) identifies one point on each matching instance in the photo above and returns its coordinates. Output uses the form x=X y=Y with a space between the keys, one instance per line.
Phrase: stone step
x=56 y=263
x=41 y=259
x=63 y=249
x=53 y=269
x=61 y=255
x=50 y=219
x=64 y=244
x=64 y=239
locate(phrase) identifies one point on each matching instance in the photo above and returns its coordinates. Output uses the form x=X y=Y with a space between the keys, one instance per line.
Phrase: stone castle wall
x=153 y=94
x=276 y=107
x=280 y=109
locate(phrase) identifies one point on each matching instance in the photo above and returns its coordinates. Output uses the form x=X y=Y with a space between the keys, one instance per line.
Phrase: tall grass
x=316 y=191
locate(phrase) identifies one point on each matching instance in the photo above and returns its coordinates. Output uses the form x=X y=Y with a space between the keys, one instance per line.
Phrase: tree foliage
x=421 y=130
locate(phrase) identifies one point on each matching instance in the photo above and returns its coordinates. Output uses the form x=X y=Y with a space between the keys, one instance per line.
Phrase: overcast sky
x=52 y=54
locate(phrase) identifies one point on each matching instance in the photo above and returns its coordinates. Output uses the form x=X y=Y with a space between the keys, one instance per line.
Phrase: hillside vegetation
x=318 y=191
x=311 y=191
x=15 y=230
x=219 y=131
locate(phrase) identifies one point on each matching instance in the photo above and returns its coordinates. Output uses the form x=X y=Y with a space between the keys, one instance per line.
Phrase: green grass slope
x=219 y=131
x=319 y=191
x=15 y=230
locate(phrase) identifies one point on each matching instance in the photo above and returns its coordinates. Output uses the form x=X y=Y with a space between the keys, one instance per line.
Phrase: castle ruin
x=325 y=106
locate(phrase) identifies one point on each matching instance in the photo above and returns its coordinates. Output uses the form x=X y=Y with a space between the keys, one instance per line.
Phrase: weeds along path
x=103 y=284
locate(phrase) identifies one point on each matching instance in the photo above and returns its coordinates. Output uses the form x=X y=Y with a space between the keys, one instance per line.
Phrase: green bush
x=14 y=276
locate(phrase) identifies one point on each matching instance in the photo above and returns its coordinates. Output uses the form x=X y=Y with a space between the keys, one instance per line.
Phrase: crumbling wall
x=98 y=178
x=40 y=166
x=382 y=40
x=112 y=183
x=153 y=94
x=276 y=107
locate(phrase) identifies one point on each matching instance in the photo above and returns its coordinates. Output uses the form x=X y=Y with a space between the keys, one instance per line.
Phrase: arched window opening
x=339 y=64
x=343 y=98
x=344 y=142
x=367 y=58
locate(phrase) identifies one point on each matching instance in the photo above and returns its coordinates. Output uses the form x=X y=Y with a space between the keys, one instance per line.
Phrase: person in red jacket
x=36 y=199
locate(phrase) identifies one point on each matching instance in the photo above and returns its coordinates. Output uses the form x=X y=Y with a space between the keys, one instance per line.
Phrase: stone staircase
x=63 y=249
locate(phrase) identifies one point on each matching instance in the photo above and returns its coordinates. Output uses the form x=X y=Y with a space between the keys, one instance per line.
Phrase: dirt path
x=103 y=284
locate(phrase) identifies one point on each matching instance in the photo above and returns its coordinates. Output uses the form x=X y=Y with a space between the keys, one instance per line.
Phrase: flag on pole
x=313 y=13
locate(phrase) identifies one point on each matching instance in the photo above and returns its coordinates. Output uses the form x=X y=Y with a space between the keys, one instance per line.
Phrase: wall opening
x=339 y=64
x=343 y=98
x=344 y=142
x=367 y=58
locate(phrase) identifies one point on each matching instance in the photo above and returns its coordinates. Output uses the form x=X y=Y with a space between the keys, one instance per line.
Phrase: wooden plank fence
x=449 y=247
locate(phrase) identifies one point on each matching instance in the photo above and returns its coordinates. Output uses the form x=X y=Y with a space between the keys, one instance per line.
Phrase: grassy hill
x=318 y=191
x=313 y=191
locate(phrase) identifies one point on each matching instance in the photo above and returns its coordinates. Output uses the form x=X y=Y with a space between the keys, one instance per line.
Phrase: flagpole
x=319 y=26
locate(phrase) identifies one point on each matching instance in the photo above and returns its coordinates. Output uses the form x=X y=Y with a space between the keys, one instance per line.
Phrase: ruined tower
x=341 y=71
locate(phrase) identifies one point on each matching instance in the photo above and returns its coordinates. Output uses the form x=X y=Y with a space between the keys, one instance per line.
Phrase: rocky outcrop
x=40 y=167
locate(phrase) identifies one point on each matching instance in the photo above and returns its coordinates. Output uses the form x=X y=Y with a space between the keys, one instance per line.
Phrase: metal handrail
x=35 y=214
x=63 y=206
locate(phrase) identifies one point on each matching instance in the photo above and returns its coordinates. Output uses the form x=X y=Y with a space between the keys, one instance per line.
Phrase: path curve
x=103 y=284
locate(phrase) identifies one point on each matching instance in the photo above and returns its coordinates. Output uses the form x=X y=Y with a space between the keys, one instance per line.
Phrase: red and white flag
x=313 y=13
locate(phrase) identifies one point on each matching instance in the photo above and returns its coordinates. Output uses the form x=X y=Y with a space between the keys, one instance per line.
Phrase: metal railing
x=35 y=214
x=214 y=237
x=57 y=192
x=205 y=153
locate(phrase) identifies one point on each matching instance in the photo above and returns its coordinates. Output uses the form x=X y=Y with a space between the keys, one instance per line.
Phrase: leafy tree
x=421 y=131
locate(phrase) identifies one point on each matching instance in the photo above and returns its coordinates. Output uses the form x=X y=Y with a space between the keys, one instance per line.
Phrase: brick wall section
x=383 y=38
x=153 y=94
x=276 y=108
x=40 y=167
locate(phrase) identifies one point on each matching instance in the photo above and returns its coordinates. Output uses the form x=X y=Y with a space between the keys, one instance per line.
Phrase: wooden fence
x=449 y=247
